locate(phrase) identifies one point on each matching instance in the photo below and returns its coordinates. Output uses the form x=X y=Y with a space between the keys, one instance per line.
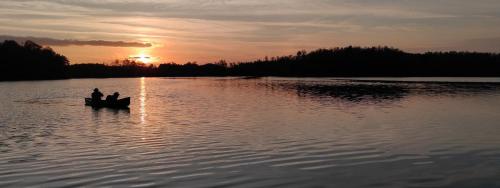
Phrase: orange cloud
x=68 y=42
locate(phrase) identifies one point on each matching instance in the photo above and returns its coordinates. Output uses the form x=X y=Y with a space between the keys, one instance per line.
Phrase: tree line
x=336 y=62
x=31 y=61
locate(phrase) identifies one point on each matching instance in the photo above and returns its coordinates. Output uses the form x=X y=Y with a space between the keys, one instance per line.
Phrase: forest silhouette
x=30 y=62
x=34 y=62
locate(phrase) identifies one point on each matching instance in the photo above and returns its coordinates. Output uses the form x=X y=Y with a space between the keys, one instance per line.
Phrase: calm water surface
x=231 y=132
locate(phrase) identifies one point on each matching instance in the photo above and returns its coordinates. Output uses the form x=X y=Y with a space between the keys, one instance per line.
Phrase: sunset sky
x=209 y=30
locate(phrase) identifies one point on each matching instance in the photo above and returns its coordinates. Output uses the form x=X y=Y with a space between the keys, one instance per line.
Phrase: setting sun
x=144 y=58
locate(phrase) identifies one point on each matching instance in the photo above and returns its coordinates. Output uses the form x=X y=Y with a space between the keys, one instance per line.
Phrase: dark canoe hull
x=121 y=103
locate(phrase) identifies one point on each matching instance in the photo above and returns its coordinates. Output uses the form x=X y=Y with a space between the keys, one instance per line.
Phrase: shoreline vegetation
x=31 y=61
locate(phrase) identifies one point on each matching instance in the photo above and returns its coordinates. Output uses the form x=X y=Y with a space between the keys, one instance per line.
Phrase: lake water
x=232 y=132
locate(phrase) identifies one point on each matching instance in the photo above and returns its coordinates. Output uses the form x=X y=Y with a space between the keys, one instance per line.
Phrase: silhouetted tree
x=30 y=62
x=348 y=61
x=374 y=61
x=118 y=68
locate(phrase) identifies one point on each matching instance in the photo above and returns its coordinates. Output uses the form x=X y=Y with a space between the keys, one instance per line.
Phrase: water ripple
x=268 y=132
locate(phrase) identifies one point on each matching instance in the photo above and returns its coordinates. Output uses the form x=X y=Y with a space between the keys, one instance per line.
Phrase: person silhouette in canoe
x=112 y=99
x=96 y=96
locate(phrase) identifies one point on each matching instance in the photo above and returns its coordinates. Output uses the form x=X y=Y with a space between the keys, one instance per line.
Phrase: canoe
x=121 y=103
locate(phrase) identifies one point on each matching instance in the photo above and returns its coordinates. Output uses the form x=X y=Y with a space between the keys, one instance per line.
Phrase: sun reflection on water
x=143 y=56
x=142 y=99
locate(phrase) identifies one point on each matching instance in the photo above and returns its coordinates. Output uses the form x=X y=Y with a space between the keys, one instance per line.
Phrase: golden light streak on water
x=142 y=99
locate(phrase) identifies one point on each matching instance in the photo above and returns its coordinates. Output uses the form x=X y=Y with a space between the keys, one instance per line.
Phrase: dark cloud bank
x=68 y=42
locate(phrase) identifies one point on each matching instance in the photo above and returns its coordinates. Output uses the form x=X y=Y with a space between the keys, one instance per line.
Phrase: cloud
x=241 y=29
x=70 y=42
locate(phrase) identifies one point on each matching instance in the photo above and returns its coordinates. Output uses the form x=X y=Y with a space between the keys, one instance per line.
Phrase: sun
x=143 y=58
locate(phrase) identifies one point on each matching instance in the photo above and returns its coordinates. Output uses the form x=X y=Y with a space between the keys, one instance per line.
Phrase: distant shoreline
x=439 y=80
x=34 y=62
x=355 y=78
